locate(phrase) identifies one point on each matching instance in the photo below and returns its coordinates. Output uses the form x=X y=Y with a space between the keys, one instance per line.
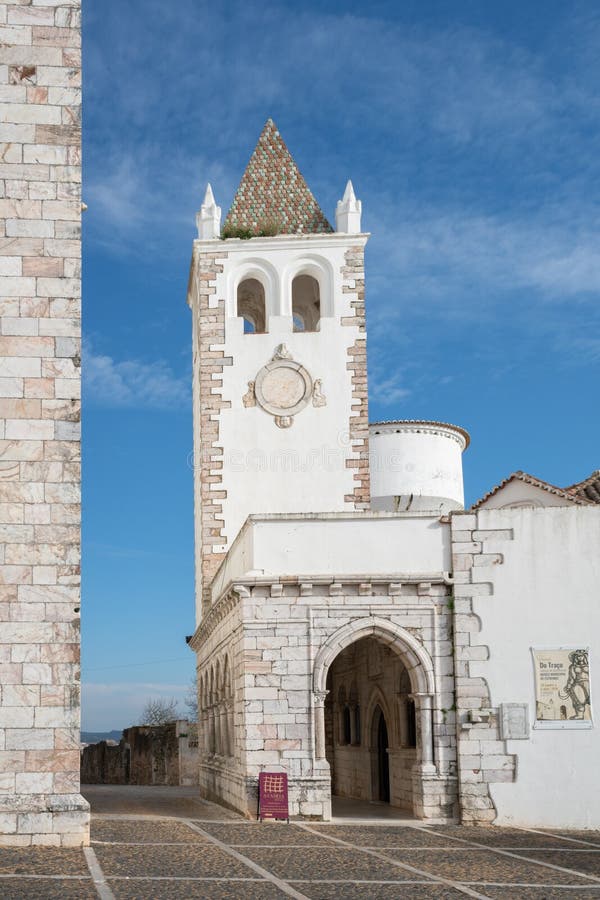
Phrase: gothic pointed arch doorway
x=374 y=696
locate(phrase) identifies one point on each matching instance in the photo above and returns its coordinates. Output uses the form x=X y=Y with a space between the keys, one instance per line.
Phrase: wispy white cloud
x=133 y=384
x=387 y=387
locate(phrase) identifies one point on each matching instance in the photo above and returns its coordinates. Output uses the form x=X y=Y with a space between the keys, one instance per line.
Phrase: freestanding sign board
x=273 y=796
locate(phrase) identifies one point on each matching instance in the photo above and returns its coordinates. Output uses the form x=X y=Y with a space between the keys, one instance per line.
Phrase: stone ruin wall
x=40 y=309
x=146 y=754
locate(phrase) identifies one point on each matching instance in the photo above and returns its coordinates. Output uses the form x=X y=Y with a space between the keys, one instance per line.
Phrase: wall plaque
x=562 y=687
x=513 y=720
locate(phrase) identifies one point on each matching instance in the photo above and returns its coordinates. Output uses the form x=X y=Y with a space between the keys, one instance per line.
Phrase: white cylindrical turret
x=416 y=466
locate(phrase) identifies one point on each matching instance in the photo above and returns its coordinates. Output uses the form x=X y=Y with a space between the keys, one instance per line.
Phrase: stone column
x=224 y=730
x=423 y=708
x=217 y=715
x=319 y=722
x=402 y=720
x=211 y=731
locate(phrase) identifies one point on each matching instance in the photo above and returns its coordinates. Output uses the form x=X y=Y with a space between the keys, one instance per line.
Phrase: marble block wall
x=40 y=314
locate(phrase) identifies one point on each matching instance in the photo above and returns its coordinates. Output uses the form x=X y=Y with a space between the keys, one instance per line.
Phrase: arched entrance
x=373 y=684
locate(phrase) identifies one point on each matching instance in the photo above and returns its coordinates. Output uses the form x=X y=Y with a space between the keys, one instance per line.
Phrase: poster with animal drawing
x=562 y=685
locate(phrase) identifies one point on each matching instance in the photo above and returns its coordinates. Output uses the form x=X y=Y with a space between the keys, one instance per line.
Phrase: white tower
x=280 y=383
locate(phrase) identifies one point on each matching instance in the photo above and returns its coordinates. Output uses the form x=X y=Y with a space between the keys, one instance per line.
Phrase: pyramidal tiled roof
x=273 y=197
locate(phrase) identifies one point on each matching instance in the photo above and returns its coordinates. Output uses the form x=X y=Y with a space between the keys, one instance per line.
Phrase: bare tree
x=190 y=700
x=159 y=711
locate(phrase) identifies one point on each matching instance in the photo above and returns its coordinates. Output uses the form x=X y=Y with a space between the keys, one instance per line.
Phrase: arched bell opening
x=251 y=306
x=306 y=303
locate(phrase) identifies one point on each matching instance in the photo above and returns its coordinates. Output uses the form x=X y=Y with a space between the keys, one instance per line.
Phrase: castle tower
x=279 y=355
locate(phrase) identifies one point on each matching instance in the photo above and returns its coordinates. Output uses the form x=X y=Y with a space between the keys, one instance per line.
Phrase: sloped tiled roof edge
x=273 y=197
x=588 y=489
x=536 y=482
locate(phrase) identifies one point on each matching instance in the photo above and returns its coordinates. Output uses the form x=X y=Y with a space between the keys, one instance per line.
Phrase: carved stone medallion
x=283 y=388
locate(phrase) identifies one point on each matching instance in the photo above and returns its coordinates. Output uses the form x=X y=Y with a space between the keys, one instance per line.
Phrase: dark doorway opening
x=383 y=761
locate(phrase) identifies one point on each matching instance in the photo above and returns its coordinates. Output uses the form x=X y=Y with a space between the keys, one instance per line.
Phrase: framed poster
x=562 y=687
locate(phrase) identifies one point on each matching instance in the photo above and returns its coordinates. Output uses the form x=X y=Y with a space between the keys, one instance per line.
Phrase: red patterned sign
x=273 y=796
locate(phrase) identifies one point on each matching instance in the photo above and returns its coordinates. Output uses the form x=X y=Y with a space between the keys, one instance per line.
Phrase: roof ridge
x=273 y=196
x=536 y=482
x=595 y=476
x=588 y=489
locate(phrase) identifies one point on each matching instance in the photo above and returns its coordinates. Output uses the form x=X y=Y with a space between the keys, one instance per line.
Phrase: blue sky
x=470 y=131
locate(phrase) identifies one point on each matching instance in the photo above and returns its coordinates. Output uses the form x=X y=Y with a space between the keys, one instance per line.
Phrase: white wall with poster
x=541 y=623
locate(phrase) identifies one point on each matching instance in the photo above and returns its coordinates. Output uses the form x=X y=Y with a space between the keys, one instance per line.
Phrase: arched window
x=357 y=724
x=251 y=306
x=411 y=723
x=347 y=726
x=306 y=303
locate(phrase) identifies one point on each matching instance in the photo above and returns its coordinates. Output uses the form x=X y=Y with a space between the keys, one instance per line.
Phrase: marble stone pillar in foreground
x=40 y=365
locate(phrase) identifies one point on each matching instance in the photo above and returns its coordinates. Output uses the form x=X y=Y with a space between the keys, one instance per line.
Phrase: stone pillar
x=211 y=731
x=423 y=708
x=40 y=356
x=230 y=729
x=319 y=723
x=223 y=728
x=402 y=720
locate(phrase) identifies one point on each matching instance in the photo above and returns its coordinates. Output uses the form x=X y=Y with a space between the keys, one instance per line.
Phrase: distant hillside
x=92 y=737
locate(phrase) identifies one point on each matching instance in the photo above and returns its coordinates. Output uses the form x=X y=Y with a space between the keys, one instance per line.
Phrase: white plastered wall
x=546 y=593
x=302 y=468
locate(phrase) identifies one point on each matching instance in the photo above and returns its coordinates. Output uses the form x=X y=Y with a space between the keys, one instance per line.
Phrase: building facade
x=342 y=590
x=40 y=353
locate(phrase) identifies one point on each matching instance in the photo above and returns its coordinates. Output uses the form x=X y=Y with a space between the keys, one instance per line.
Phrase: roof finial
x=348 y=212
x=208 y=220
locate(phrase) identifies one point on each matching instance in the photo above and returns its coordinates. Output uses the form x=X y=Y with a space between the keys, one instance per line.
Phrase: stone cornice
x=280 y=241
x=227 y=602
x=416 y=426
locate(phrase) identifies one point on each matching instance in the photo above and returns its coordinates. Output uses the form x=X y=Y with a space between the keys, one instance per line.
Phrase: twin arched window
x=306 y=304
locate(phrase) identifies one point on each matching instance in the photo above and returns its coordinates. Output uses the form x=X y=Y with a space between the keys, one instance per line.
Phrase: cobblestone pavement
x=157 y=843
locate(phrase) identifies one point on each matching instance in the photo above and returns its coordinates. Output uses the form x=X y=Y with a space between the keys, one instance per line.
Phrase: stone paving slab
x=587 y=861
x=156 y=800
x=379 y=836
x=480 y=866
x=192 y=861
x=41 y=861
x=591 y=837
x=262 y=833
x=540 y=893
x=142 y=831
x=47 y=889
x=324 y=862
x=502 y=837
x=190 y=890
x=322 y=890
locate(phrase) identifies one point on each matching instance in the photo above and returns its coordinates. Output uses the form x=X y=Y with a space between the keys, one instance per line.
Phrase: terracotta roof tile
x=588 y=489
x=273 y=195
x=565 y=493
